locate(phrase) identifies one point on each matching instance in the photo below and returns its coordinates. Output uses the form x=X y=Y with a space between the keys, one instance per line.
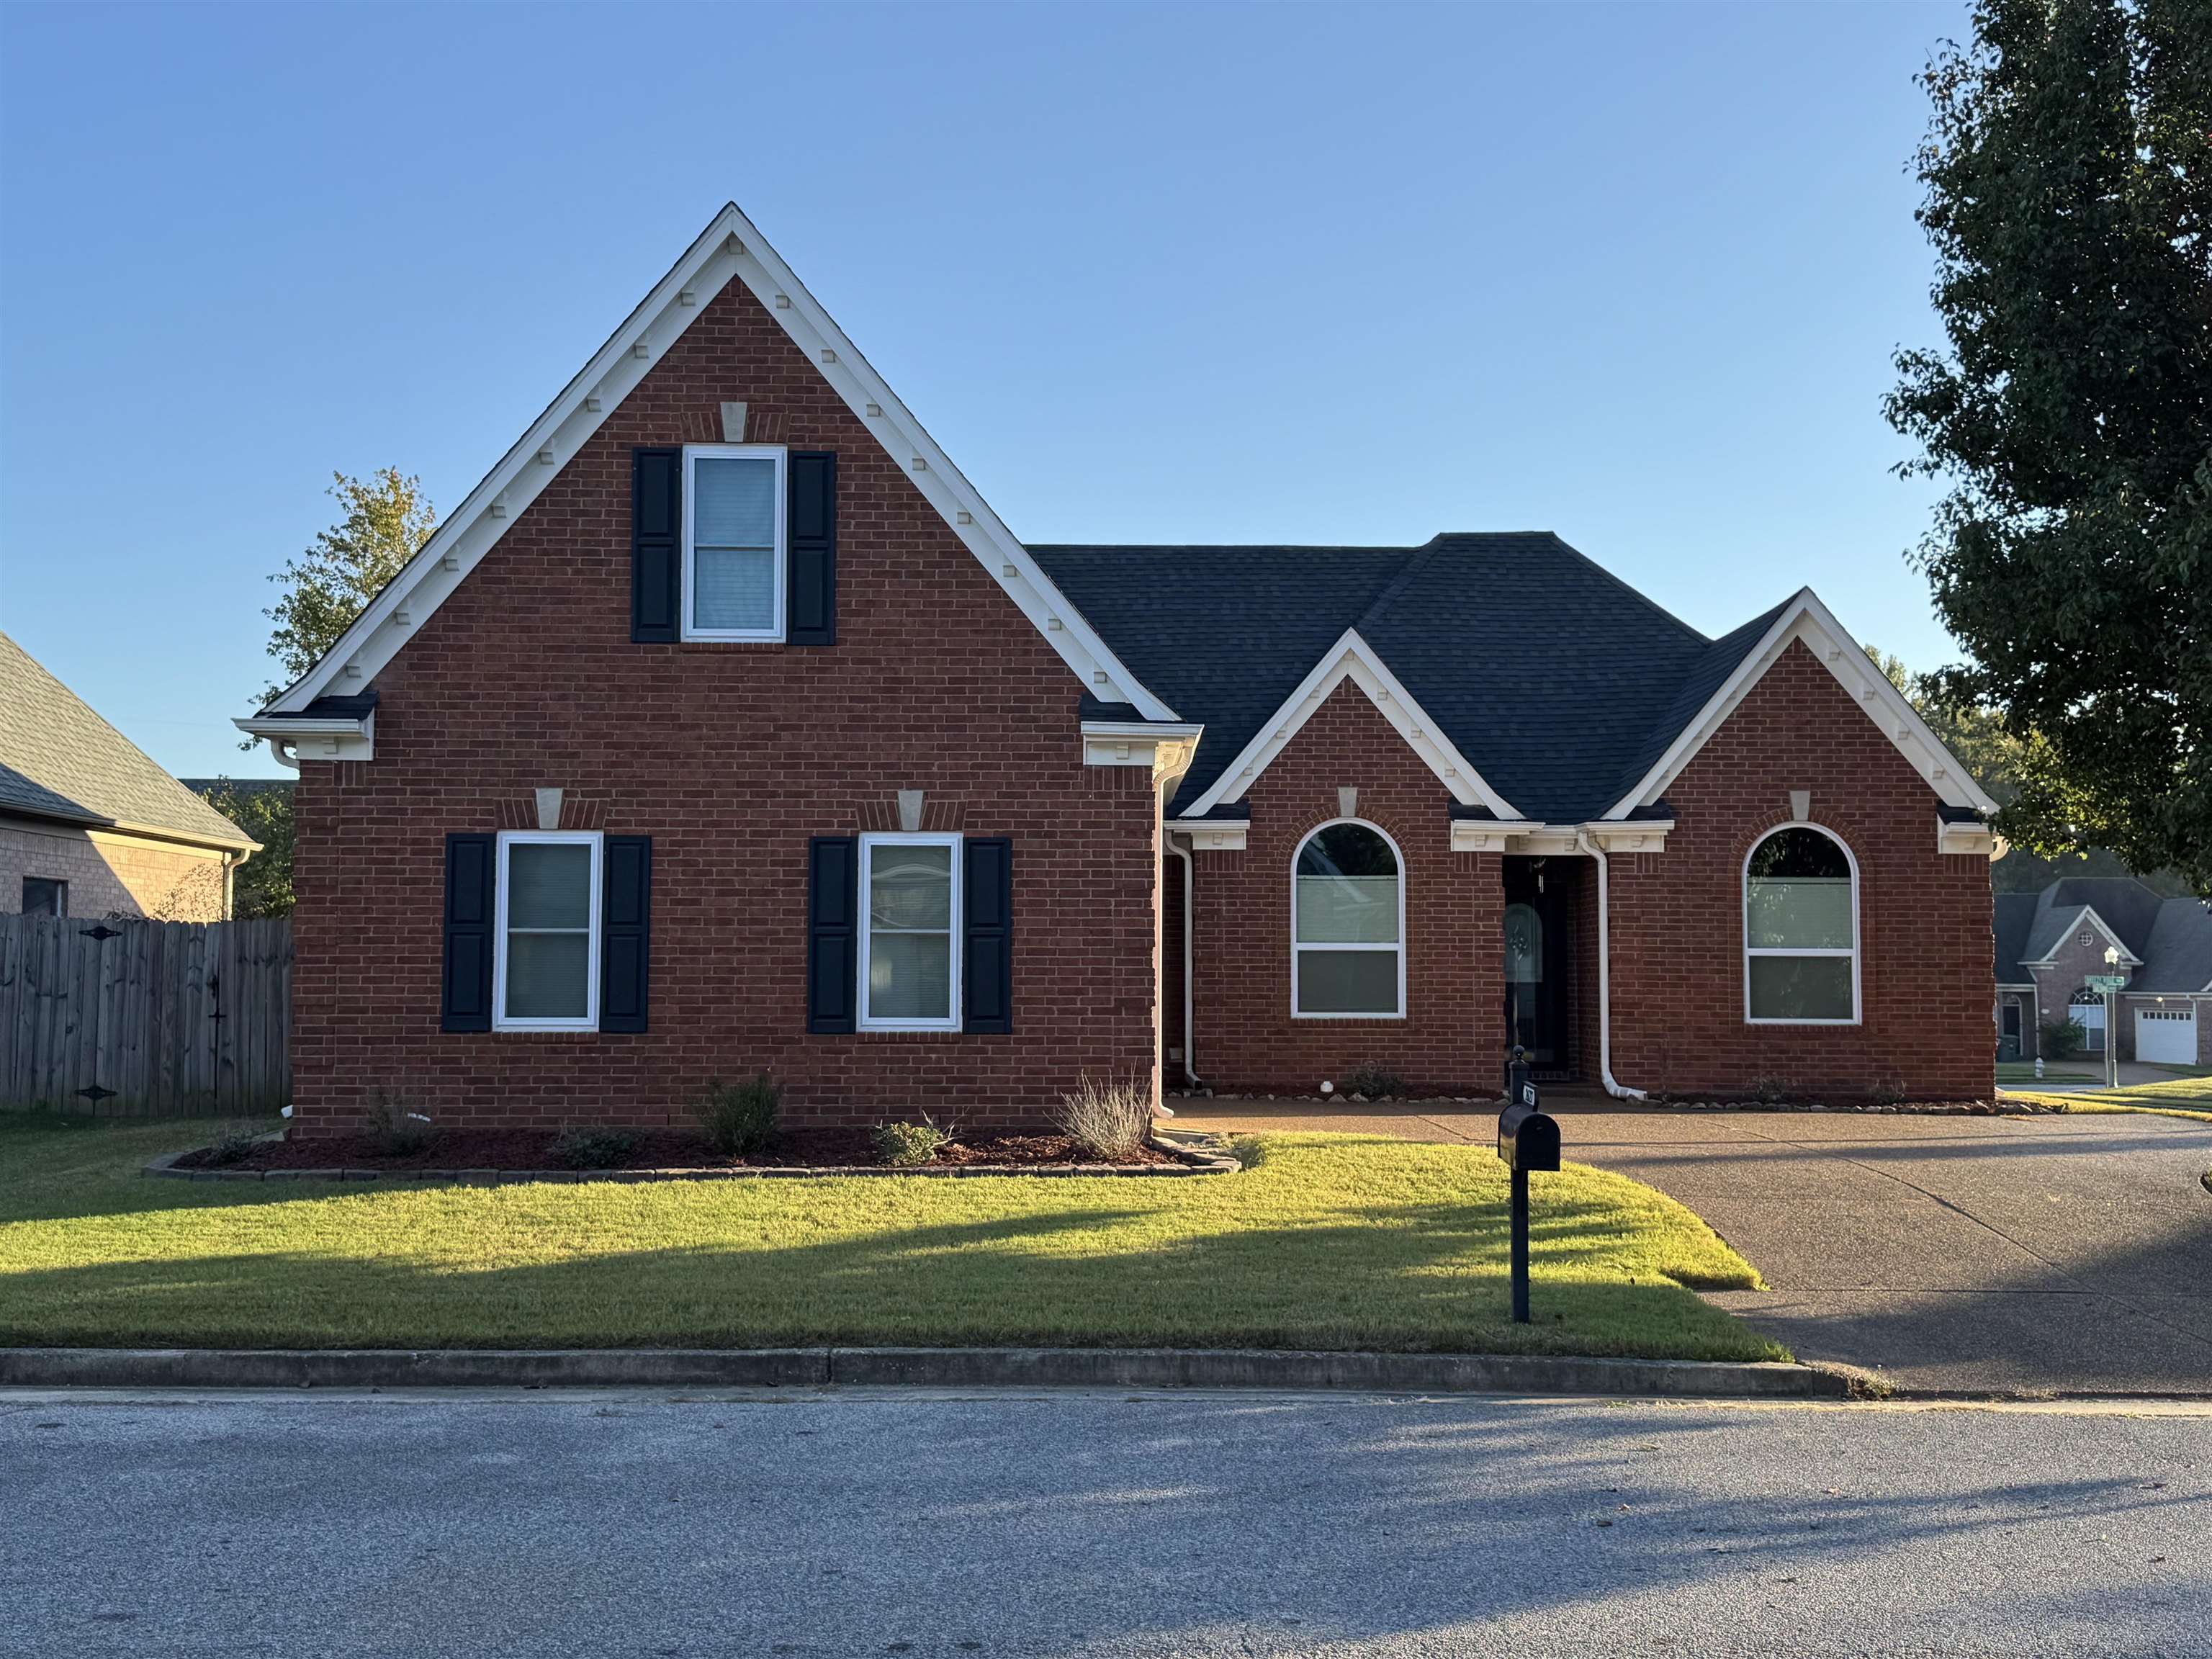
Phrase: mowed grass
x=1330 y=1242
x=2187 y=1096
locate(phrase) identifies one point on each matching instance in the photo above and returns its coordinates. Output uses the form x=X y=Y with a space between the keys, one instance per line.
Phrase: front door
x=1535 y=959
x=2008 y=1033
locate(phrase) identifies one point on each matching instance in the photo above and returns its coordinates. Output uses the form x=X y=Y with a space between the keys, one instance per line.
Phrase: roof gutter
x=324 y=736
x=1587 y=843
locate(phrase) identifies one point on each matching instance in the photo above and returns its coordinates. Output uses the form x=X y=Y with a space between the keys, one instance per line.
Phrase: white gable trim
x=729 y=249
x=1806 y=619
x=2088 y=914
x=1352 y=659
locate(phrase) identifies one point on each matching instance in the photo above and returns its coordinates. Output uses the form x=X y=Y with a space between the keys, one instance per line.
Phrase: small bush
x=1887 y=1091
x=592 y=1149
x=1249 y=1151
x=739 y=1119
x=2063 y=1039
x=395 y=1126
x=234 y=1145
x=905 y=1143
x=1375 y=1081
x=1770 y=1091
x=1107 y=1119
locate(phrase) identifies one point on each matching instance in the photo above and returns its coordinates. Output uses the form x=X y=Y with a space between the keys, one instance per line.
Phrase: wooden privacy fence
x=139 y=1018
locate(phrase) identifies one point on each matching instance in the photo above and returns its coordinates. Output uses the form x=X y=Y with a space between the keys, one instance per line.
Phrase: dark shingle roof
x=2177 y=957
x=2014 y=915
x=1551 y=675
x=59 y=760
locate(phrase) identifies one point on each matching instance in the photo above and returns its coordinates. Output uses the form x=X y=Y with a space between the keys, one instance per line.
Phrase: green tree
x=263 y=808
x=1976 y=738
x=385 y=522
x=2069 y=177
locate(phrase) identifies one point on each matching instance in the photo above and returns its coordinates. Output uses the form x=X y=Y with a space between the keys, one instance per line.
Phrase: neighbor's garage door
x=2166 y=1035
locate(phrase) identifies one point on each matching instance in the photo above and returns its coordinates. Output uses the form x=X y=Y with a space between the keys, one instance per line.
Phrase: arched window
x=1801 y=930
x=1347 y=926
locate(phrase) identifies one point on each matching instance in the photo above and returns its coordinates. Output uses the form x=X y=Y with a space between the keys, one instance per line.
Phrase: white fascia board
x=1352 y=659
x=1166 y=747
x=1546 y=839
x=1806 y=619
x=1973 y=839
x=729 y=249
x=1212 y=835
x=2088 y=914
x=317 y=740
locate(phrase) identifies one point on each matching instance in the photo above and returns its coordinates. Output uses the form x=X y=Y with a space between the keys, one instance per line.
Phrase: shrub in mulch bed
x=650 y=1148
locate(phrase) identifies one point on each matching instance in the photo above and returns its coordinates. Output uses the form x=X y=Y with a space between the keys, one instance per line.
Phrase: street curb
x=1130 y=1368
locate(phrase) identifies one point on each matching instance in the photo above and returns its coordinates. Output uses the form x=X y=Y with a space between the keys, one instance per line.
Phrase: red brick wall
x=1452 y=1038
x=730 y=756
x=1926 y=983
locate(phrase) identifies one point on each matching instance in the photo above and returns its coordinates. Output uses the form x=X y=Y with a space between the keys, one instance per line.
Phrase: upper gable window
x=1801 y=930
x=733 y=542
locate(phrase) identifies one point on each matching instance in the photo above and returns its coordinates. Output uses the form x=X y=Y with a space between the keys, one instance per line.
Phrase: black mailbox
x=1528 y=1138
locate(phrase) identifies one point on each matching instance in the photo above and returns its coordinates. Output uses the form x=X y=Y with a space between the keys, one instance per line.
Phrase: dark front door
x=2008 y=1033
x=1537 y=958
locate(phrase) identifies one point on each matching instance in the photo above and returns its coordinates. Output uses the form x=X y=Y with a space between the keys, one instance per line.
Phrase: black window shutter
x=833 y=932
x=656 y=544
x=471 y=866
x=810 y=521
x=986 y=957
x=625 y=921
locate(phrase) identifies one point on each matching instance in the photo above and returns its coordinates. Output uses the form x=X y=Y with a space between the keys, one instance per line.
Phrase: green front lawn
x=2187 y=1095
x=1330 y=1242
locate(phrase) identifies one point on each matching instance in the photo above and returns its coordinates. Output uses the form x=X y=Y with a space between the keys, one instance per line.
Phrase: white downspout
x=1604 y=979
x=1189 y=1046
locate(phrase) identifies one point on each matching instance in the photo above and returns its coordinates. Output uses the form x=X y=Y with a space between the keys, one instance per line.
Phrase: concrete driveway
x=2014 y=1254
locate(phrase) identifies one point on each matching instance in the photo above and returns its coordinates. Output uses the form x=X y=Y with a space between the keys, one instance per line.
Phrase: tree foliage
x=262 y=886
x=386 y=519
x=2069 y=176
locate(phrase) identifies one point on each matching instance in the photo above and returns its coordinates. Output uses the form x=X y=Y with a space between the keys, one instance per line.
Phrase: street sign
x=2106 y=981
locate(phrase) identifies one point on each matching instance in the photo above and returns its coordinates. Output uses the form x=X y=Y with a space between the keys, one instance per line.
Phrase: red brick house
x=724 y=727
x=2050 y=942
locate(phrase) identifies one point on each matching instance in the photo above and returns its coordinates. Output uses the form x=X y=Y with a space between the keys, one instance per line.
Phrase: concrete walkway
x=2002 y=1254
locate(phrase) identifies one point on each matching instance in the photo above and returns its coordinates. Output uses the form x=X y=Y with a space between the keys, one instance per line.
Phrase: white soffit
x=1806 y=619
x=1352 y=659
x=729 y=249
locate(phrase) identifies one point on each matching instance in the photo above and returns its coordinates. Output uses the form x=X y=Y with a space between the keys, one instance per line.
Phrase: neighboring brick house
x=724 y=727
x=89 y=825
x=2050 y=943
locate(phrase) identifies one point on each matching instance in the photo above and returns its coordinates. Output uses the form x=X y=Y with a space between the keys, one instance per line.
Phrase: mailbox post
x=1527 y=1140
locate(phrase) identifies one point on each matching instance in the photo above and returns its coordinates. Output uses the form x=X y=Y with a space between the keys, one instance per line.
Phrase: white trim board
x=729 y=249
x=1805 y=619
x=1352 y=659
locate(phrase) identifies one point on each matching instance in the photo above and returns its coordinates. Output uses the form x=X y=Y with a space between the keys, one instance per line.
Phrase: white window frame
x=512 y=838
x=693 y=454
x=1298 y=949
x=1743 y=926
x=869 y=843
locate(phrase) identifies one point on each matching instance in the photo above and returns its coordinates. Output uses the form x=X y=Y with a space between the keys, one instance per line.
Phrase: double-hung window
x=909 y=945
x=1801 y=930
x=545 y=964
x=733 y=542
x=1347 y=926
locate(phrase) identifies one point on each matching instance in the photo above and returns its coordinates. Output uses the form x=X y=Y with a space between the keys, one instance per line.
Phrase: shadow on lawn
x=1427 y=1277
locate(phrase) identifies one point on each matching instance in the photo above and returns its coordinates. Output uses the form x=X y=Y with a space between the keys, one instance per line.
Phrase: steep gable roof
x=2178 y=955
x=729 y=250
x=59 y=760
x=1563 y=687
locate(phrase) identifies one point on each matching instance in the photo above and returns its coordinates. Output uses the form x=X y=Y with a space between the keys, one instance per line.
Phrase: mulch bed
x=655 y=1149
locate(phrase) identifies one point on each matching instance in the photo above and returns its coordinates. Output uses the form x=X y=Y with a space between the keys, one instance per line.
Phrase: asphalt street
x=1093 y=1524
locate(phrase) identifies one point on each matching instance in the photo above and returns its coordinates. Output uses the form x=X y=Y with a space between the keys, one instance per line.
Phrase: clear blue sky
x=1246 y=273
